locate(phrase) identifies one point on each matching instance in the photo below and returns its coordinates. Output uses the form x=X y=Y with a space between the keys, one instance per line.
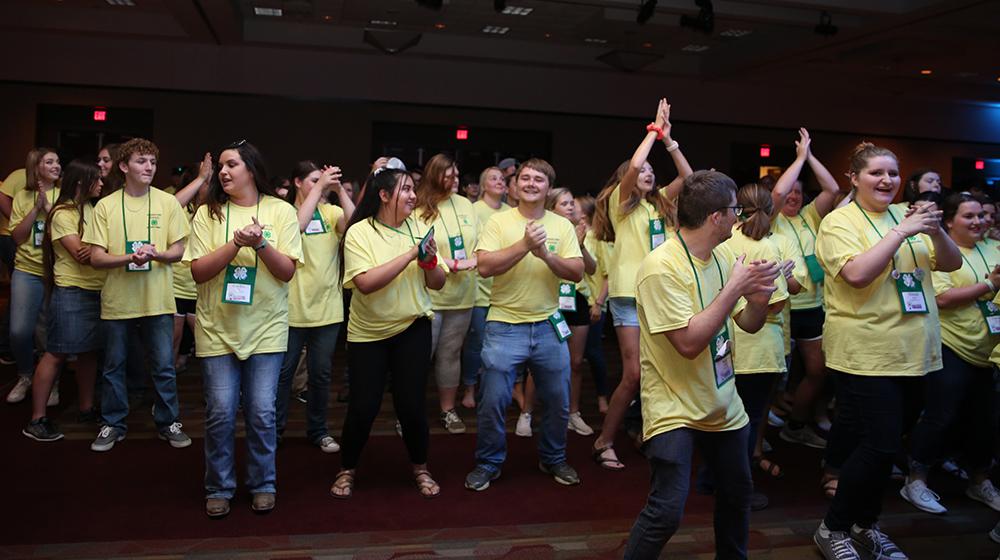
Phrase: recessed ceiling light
x=647 y=45
x=516 y=11
x=272 y=12
x=736 y=33
x=439 y=26
x=496 y=29
x=926 y=72
x=120 y=2
x=695 y=48
x=595 y=40
x=548 y=35
x=382 y=23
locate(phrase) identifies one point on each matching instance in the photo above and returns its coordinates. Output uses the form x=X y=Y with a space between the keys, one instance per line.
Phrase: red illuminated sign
x=765 y=150
x=462 y=134
x=100 y=114
x=980 y=164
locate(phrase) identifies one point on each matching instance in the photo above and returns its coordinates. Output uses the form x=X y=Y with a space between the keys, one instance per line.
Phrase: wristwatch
x=263 y=243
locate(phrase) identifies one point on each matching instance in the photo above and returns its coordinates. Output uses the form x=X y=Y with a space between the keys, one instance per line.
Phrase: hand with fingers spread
x=755 y=280
x=786 y=269
x=664 y=116
x=802 y=145
x=923 y=217
x=330 y=178
x=205 y=167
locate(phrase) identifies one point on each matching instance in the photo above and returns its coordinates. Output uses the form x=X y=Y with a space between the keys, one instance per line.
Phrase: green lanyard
x=981 y=256
x=880 y=236
x=445 y=223
x=257 y=213
x=149 y=217
x=796 y=233
x=407 y=232
x=697 y=282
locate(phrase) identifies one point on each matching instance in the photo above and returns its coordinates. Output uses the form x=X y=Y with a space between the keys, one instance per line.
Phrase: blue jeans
x=669 y=455
x=320 y=343
x=472 y=360
x=507 y=348
x=594 y=353
x=226 y=379
x=157 y=332
x=27 y=296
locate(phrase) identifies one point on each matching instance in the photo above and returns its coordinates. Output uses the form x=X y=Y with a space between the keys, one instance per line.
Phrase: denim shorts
x=623 y=312
x=74 y=321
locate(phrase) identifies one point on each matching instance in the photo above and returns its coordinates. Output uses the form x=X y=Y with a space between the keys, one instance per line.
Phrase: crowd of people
x=855 y=325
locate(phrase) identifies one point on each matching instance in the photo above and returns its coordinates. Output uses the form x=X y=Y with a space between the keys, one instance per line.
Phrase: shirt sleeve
x=289 y=235
x=64 y=223
x=200 y=240
x=20 y=208
x=569 y=246
x=837 y=243
x=177 y=224
x=358 y=254
x=491 y=237
x=662 y=313
x=97 y=233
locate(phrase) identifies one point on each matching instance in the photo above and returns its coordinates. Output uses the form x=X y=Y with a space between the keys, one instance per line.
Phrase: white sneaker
x=995 y=533
x=328 y=445
x=984 y=492
x=53 y=396
x=774 y=420
x=523 y=427
x=577 y=424
x=20 y=390
x=951 y=467
x=923 y=498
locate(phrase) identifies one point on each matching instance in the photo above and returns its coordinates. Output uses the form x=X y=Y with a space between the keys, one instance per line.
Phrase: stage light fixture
x=646 y=11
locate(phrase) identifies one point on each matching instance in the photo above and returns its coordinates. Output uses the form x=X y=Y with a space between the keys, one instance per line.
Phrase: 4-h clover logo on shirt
x=136 y=245
x=267 y=234
x=908 y=280
x=564 y=289
x=240 y=273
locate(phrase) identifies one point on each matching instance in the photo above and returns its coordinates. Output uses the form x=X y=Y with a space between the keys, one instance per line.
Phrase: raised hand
x=665 y=115
x=205 y=168
x=380 y=162
x=330 y=177
x=802 y=144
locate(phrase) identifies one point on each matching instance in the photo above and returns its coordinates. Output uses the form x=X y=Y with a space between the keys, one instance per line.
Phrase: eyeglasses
x=737 y=210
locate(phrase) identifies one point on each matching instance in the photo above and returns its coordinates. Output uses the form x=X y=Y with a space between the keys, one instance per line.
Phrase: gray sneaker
x=834 y=545
x=873 y=543
x=480 y=477
x=42 y=430
x=174 y=436
x=452 y=423
x=107 y=438
x=562 y=472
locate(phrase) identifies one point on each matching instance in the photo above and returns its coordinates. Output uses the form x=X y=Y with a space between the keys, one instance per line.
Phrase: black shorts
x=580 y=317
x=185 y=306
x=807 y=324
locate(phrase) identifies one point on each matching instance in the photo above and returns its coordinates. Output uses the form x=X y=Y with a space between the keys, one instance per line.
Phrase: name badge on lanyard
x=315 y=225
x=991 y=314
x=816 y=273
x=911 y=291
x=130 y=248
x=559 y=325
x=37 y=233
x=656 y=233
x=238 y=284
x=567 y=296
x=457 y=245
x=722 y=357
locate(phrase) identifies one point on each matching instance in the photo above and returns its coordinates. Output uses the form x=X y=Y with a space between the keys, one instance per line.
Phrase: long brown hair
x=432 y=189
x=31 y=167
x=255 y=164
x=757 y=205
x=603 y=228
x=80 y=176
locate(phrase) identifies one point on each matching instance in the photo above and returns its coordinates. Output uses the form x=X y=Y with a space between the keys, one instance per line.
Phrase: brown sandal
x=343 y=486
x=768 y=466
x=426 y=485
x=597 y=454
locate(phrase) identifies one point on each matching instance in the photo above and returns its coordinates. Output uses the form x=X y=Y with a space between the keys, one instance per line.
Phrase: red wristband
x=429 y=265
x=651 y=127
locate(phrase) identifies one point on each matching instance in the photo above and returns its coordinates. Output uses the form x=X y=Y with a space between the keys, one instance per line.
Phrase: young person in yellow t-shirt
x=73 y=323
x=881 y=336
x=315 y=302
x=574 y=303
x=390 y=263
x=138 y=232
x=456 y=226
x=245 y=247
x=970 y=329
x=493 y=187
x=800 y=224
x=27 y=292
x=637 y=216
x=530 y=252
x=688 y=395
x=923 y=184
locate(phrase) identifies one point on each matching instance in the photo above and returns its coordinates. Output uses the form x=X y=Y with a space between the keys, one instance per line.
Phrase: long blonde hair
x=604 y=230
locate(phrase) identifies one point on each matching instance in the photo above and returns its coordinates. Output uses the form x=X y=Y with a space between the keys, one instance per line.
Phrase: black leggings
x=407 y=356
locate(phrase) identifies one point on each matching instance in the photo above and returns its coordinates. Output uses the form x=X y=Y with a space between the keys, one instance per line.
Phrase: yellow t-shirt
x=389 y=311
x=801 y=230
x=28 y=257
x=315 y=297
x=232 y=328
x=12 y=185
x=485 y=285
x=788 y=249
x=66 y=270
x=456 y=218
x=866 y=331
x=157 y=216
x=529 y=291
x=764 y=350
x=632 y=243
x=184 y=286
x=594 y=282
x=995 y=354
x=678 y=392
x=963 y=329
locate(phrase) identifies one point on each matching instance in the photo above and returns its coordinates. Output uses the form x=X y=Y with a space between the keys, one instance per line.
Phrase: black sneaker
x=480 y=477
x=873 y=543
x=561 y=472
x=42 y=430
x=302 y=397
